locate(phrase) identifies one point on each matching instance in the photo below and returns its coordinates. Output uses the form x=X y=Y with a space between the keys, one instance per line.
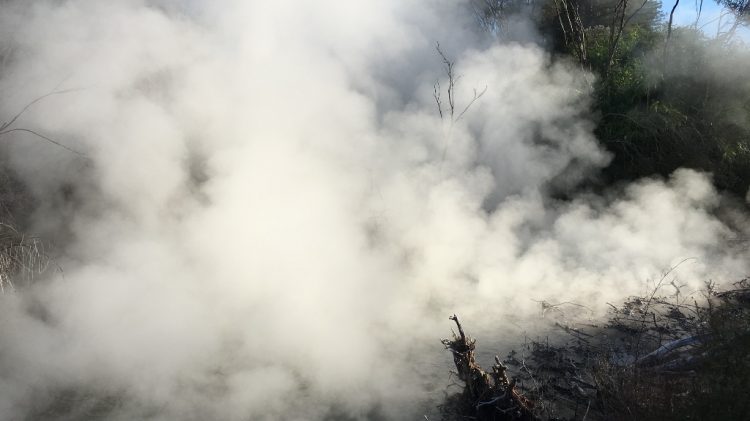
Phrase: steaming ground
x=273 y=221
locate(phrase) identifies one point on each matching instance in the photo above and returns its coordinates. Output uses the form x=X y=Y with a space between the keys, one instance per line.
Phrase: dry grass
x=21 y=258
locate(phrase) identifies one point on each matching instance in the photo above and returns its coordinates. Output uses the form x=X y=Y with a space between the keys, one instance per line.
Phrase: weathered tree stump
x=486 y=396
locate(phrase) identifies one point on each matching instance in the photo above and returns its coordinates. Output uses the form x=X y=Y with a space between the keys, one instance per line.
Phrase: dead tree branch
x=6 y=128
x=486 y=396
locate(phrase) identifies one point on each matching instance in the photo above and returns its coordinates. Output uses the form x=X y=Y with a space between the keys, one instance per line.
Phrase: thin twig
x=45 y=138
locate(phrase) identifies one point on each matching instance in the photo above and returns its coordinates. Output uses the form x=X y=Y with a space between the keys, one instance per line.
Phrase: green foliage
x=664 y=99
x=624 y=78
x=684 y=106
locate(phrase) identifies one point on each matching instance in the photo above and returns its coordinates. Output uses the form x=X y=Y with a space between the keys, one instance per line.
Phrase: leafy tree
x=665 y=97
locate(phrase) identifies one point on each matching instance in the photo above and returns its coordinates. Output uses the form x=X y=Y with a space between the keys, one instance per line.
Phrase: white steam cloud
x=272 y=220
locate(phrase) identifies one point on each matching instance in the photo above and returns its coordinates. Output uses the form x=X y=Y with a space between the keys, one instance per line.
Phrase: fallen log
x=663 y=351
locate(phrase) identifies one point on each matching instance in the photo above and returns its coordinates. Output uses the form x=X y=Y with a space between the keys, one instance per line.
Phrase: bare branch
x=30 y=104
x=452 y=79
x=45 y=138
x=473 y=100
x=436 y=95
x=5 y=128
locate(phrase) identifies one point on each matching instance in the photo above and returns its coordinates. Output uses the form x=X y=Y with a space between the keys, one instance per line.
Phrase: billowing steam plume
x=273 y=221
